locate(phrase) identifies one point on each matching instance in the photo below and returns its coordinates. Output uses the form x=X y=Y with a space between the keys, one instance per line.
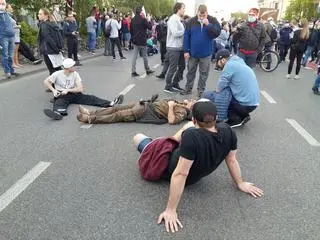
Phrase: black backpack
x=274 y=35
x=107 y=29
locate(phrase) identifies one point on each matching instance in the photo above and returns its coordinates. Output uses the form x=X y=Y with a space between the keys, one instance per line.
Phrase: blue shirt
x=241 y=80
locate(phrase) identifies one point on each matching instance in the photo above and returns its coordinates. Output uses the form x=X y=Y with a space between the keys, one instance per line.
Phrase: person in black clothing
x=27 y=53
x=138 y=30
x=47 y=44
x=284 y=41
x=71 y=32
x=298 y=46
x=202 y=148
x=161 y=30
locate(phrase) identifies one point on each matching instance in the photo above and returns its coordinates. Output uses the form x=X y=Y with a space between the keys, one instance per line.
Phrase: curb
x=42 y=69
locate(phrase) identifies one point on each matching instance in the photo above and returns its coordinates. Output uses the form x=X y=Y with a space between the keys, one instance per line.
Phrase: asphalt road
x=92 y=189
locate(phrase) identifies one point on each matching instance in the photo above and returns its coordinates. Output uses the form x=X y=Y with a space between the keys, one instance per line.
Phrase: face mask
x=2 y=8
x=251 y=19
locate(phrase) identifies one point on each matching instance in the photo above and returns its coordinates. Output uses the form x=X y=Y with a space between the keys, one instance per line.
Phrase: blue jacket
x=242 y=81
x=285 y=35
x=198 y=40
x=6 y=25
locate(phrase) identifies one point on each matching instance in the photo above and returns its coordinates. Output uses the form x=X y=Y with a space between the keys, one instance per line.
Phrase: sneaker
x=234 y=124
x=149 y=72
x=135 y=74
x=8 y=75
x=78 y=64
x=288 y=76
x=15 y=74
x=114 y=58
x=315 y=90
x=186 y=92
x=118 y=100
x=297 y=77
x=177 y=87
x=38 y=61
x=52 y=114
x=169 y=90
x=161 y=76
x=123 y=58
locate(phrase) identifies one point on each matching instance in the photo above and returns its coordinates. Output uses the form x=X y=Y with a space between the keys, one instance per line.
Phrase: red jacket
x=154 y=158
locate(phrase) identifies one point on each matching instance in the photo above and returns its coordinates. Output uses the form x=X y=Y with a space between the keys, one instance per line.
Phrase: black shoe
x=315 y=90
x=38 y=61
x=149 y=72
x=177 y=87
x=135 y=74
x=78 y=63
x=186 y=92
x=114 y=58
x=170 y=90
x=118 y=100
x=52 y=114
x=161 y=76
x=234 y=124
x=123 y=58
x=15 y=74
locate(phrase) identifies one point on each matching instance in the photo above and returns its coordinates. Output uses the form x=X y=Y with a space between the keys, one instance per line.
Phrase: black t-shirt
x=206 y=149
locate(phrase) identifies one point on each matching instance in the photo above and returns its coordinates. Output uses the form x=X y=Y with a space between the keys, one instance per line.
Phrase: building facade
x=280 y=5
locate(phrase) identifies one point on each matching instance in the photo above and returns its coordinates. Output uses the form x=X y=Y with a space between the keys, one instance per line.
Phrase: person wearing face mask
x=68 y=89
x=251 y=36
x=284 y=41
x=237 y=92
x=6 y=40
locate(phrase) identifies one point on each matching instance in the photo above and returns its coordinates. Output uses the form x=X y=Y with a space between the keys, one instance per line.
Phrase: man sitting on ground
x=151 y=111
x=203 y=146
x=67 y=88
x=237 y=92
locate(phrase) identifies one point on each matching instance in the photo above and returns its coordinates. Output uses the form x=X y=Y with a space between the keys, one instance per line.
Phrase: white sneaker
x=288 y=76
x=297 y=77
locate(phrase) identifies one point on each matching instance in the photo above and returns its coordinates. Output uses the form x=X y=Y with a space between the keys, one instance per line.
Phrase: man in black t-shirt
x=203 y=146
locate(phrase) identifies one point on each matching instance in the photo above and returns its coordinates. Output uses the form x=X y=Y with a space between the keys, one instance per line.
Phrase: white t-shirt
x=61 y=81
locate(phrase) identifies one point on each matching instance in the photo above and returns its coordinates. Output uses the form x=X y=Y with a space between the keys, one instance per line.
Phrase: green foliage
x=302 y=9
x=35 y=5
x=29 y=34
x=237 y=15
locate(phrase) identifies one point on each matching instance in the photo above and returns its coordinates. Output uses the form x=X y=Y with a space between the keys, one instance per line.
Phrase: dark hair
x=177 y=7
x=138 y=10
x=126 y=15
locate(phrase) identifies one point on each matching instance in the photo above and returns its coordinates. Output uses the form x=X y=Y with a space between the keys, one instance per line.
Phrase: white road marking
x=127 y=89
x=143 y=75
x=268 y=97
x=86 y=126
x=156 y=66
x=311 y=140
x=16 y=189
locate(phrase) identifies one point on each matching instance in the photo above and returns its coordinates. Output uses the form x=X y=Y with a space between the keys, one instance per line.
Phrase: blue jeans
x=92 y=38
x=317 y=82
x=307 y=55
x=7 y=45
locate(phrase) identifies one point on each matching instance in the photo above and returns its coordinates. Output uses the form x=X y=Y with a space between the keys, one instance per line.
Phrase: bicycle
x=268 y=60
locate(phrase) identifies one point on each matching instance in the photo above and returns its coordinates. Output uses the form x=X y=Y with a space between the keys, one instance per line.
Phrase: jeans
x=142 y=50
x=307 y=55
x=7 y=45
x=92 y=38
x=317 y=82
x=204 y=68
x=176 y=58
x=250 y=59
x=115 y=42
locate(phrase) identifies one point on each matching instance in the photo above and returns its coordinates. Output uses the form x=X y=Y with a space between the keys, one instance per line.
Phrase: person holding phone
x=71 y=32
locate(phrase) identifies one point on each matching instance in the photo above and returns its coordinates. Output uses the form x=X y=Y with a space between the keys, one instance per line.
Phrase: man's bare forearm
x=48 y=84
x=235 y=171
x=171 y=116
x=177 y=184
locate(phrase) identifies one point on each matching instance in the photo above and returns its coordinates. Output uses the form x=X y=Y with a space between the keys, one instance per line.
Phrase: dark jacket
x=285 y=35
x=198 y=40
x=138 y=30
x=69 y=27
x=6 y=26
x=46 y=39
x=162 y=30
x=251 y=37
x=298 y=44
x=313 y=39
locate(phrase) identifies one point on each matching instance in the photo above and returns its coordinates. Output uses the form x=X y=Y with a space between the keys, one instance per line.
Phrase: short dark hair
x=138 y=10
x=177 y=7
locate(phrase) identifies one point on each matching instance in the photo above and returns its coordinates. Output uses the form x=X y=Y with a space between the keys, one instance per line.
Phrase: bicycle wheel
x=269 y=61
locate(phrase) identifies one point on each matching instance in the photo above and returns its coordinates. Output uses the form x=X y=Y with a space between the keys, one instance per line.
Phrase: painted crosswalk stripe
x=268 y=97
x=143 y=75
x=311 y=140
x=127 y=89
x=86 y=126
x=21 y=185
x=156 y=66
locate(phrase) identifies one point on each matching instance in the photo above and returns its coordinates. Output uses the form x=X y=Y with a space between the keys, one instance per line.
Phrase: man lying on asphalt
x=152 y=111
x=237 y=92
x=191 y=154
x=67 y=88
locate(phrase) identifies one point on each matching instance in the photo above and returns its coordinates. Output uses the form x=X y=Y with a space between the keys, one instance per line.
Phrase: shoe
x=135 y=74
x=315 y=90
x=51 y=100
x=78 y=63
x=15 y=74
x=186 y=92
x=123 y=58
x=297 y=77
x=118 y=100
x=84 y=118
x=114 y=58
x=161 y=76
x=234 y=124
x=52 y=114
x=288 y=76
x=177 y=87
x=92 y=53
x=8 y=75
x=36 y=62
x=84 y=110
x=149 y=72
x=170 y=90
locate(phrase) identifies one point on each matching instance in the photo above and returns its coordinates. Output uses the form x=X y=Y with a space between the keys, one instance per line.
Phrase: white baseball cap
x=68 y=63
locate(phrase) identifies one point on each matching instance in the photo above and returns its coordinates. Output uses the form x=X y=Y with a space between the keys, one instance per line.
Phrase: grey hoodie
x=175 y=33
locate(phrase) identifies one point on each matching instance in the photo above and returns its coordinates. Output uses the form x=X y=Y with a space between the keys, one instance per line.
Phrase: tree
x=302 y=9
x=237 y=15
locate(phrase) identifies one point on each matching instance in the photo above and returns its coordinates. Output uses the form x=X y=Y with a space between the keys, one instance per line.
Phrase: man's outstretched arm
x=235 y=172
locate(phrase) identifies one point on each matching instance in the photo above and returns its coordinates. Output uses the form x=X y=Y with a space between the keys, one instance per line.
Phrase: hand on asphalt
x=251 y=189
x=171 y=221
